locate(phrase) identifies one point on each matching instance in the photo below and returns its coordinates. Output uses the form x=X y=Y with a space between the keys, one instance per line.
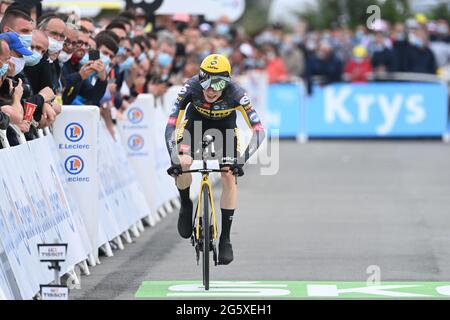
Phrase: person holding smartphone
x=85 y=77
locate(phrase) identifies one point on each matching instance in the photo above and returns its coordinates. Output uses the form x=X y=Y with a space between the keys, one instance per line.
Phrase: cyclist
x=213 y=99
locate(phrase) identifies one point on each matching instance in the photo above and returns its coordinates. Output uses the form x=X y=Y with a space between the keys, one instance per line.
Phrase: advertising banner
x=377 y=110
x=76 y=136
x=136 y=136
x=283 y=109
x=67 y=222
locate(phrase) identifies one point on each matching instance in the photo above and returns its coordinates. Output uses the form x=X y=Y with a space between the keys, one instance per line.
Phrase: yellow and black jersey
x=233 y=99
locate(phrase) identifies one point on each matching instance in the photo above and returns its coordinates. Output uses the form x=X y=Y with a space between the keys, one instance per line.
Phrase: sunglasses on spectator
x=67 y=42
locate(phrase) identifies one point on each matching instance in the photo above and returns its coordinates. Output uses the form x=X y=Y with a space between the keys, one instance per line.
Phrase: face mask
x=164 y=59
x=127 y=64
x=32 y=60
x=105 y=59
x=151 y=54
x=85 y=59
x=297 y=39
x=26 y=40
x=311 y=45
x=54 y=46
x=19 y=65
x=250 y=63
x=4 y=70
x=64 y=56
x=400 y=36
x=131 y=34
x=378 y=47
x=358 y=59
x=442 y=29
x=141 y=57
x=223 y=29
x=225 y=51
x=359 y=35
x=287 y=46
x=121 y=51
x=270 y=55
x=414 y=40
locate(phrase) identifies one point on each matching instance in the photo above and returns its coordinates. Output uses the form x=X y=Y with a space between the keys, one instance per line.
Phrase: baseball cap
x=15 y=44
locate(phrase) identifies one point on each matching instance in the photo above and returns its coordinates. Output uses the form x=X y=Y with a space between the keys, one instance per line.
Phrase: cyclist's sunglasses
x=217 y=83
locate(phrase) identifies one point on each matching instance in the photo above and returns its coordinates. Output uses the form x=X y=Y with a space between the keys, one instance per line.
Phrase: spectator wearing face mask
x=293 y=57
x=401 y=47
x=323 y=67
x=8 y=112
x=275 y=67
x=159 y=79
x=18 y=21
x=45 y=113
x=46 y=73
x=91 y=77
x=420 y=58
x=124 y=64
x=383 y=58
x=440 y=43
x=358 y=68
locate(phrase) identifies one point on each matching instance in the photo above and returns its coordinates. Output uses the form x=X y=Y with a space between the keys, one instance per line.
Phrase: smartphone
x=94 y=55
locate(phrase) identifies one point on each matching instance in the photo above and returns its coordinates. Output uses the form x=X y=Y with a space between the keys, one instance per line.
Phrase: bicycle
x=205 y=239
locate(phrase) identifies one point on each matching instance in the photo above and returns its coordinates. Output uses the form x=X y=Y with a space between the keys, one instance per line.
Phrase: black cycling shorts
x=195 y=126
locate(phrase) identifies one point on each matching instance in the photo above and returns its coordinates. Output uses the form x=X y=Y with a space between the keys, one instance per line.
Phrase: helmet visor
x=217 y=83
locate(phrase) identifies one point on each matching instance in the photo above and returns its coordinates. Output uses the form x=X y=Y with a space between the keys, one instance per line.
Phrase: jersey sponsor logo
x=245 y=100
x=254 y=117
x=174 y=109
x=172 y=121
x=182 y=90
x=214 y=113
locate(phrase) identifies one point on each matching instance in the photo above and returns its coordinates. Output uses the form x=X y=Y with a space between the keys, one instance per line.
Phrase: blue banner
x=377 y=110
x=283 y=109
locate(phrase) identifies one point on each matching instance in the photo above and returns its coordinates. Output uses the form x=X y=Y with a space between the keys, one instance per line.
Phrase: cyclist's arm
x=254 y=123
x=176 y=114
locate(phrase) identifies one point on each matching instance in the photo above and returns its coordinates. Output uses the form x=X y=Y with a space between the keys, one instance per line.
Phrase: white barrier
x=34 y=210
x=137 y=138
x=76 y=135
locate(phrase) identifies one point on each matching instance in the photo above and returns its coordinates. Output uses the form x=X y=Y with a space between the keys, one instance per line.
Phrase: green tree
x=441 y=11
x=351 y=13
x=255 y=17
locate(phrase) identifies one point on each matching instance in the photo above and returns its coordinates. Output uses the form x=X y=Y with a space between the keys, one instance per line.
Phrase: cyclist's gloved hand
x=174 y=170
x=237 y=169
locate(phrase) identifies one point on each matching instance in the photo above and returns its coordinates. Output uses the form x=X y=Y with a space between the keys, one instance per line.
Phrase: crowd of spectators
x=63 y=59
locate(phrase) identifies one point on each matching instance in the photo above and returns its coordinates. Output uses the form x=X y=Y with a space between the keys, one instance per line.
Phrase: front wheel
x=206 y=237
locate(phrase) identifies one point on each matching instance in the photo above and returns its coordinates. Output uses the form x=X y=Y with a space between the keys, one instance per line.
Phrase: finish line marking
x=295 y=290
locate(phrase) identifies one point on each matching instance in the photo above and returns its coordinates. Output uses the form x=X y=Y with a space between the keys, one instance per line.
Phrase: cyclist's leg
x=228 y=199
x=185 y=146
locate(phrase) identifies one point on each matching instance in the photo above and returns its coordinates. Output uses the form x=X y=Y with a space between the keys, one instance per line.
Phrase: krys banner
x=381 y=109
